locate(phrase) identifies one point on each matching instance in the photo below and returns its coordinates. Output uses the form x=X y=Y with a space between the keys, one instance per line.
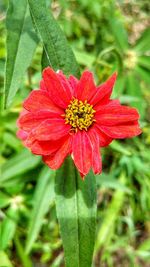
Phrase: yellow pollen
x=80 y=115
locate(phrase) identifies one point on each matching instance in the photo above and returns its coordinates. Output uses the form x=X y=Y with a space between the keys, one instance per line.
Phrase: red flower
x=70 y=116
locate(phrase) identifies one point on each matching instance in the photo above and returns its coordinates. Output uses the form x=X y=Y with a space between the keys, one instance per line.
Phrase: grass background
x=105 y=36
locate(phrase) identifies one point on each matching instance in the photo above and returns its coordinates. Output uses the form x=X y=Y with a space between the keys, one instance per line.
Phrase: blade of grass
x=43 y=198
x=8 y=227
x=105 y=232
x=25 y=260
x=20 y=44
x=19 y=164
x=5 y=262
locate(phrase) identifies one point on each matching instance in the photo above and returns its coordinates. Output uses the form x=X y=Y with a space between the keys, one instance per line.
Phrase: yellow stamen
x=79 y=114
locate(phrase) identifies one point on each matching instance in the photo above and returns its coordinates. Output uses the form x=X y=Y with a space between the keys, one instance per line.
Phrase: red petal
x=104 y=140
x=82 y=152
x=32 y=119
x=73 y=82
x=38 y=100
x=51 y=129
x=22 y=135
x=85 y=86
x=55 y=160
x=114 y=115
x=122 y=131
x=42 y=85
x=45 y=147
x=108 y=103
x=104 y=90
x=59 y=94
x=65 y=83
x=96 y=157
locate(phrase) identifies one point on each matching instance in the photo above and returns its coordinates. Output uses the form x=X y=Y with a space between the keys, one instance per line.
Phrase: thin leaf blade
x=21 y=44
x=105 y=232
x=8 y=227
x=17 y=165
x=43 y=197
x=4 y=260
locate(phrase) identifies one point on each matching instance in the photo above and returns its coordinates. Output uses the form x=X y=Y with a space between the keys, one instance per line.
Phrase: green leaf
x=119 y=33
x=143 y=42
x=143 y=74
x=58 y=261
x=119 y=86
x=21 y=43
x=58 y=52
x=144 y=61
x=4 y=200
x=25 y=260
x=5 y=262
x=144 y=245
x=105 y=232
x=19 y=164
x=85 y=59
x=11 y=140
x=76 y=211
x=8 y=227
x=44 y=61
x=108 y=181
x=43 y=198
x=134 y=89
x=120 y=148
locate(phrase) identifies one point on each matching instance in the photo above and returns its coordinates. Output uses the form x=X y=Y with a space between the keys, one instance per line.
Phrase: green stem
x=76 y=212
x=113 y=50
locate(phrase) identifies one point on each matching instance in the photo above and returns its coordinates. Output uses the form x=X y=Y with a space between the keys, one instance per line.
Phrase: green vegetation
x=105 y=35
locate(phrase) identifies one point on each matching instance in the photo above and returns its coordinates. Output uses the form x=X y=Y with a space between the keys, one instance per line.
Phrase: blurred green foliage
x=105 y=35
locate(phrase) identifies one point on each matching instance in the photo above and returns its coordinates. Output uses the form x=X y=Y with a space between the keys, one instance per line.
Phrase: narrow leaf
x=105 y=232
x=5 y=262
x=43 y=198
x=19 y=164
x=108 y=181
x=4 y=200
x=144 y=61
x=58 y=52
x=142 y=44
x=25 y=260
x=134 y=89
x=143 y=74
x=8 y=227
x=119 y=33
x=76 y=211
x=21 y=43
x=119 y=148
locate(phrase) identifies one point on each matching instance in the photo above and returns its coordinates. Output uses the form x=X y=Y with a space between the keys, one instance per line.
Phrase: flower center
x=80 y=115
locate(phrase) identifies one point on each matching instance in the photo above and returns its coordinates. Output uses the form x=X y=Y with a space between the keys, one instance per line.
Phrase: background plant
x=105 y=35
